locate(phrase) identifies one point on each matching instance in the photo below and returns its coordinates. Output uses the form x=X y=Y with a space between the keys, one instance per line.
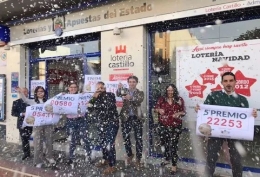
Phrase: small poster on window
x=34 y=84
x=83 y=102
x=112 y=86
x=90 y=82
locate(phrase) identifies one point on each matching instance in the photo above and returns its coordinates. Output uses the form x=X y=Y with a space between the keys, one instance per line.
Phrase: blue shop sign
x=4 y=35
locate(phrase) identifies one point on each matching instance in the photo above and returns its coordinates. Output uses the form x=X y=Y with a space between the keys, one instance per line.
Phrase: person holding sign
x=18 y=110
x=104 y=105
x=226 y=97
x=131 y=117
x=170 y=109
x=77 y=124
x=41 y=133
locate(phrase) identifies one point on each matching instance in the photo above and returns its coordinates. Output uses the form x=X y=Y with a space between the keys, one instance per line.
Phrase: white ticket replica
x=225 y=122
x=36 y=116
x=83 y=102
x=63 y=104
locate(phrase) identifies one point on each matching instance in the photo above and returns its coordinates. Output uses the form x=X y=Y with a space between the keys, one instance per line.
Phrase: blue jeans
x=137 y=125
x=78 y=129
x=107 y=133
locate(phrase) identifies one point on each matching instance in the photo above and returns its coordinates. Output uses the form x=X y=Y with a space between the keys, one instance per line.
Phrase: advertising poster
x=225 y=122
x=14 y=81
x=199 y=70
x=112 y=86
x=34 y=84
x=36 y=116
x=125 y=57
x=62 y=104
x=90 y=82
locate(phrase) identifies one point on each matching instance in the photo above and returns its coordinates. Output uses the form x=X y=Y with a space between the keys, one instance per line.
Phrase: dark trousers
x=78 y=129
x=169 y=137
x=107 y=134
x=25 y=134
x=137 y=125
x=214 y=145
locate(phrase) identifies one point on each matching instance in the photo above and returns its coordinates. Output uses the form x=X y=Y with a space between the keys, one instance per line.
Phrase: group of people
x=103 y=107
x=170 y=107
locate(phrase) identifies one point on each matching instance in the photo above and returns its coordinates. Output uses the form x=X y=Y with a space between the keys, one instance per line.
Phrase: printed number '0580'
x=224 y=122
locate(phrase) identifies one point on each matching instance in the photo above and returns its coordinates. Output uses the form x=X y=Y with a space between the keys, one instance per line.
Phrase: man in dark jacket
x=103 y=107
x=18 y=110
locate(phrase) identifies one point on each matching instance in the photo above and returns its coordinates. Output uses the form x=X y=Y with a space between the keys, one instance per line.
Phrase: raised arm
x=24 y=98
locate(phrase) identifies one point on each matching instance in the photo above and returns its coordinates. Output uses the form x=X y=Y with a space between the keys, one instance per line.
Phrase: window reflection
x=163 y=72
x=68 y=49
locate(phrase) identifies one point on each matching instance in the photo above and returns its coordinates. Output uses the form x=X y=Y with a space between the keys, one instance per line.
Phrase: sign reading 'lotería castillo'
x=121 y=59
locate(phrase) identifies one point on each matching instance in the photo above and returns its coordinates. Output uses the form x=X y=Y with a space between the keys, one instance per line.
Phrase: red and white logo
x=120 y=49
x=121 y=61
x=119 y=77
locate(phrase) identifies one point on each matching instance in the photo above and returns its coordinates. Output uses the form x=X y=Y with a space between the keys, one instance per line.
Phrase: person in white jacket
x=41 y=133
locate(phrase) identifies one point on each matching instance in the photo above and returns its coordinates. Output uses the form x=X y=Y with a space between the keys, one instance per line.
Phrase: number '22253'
x=224 y=122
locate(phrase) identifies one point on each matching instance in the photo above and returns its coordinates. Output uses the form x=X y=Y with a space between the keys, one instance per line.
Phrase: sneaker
x=109 y=170
x=40 y=165
x=130 y=159
x=54 y=167
x=25 y=157
x=69 y=162
x=89 y=160
x=102 y=163
x=165 y=162
x=138 y=165
x=51 y=161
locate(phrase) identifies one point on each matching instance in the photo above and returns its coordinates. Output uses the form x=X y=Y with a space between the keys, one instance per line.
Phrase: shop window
x=57 y=65
x=163 y=69
x=67 y=49
x=38 y=71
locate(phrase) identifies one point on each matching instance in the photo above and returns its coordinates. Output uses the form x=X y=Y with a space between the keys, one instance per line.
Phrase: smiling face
x=170 y=92
x=40 y=93
x=73 y=88
x=228 y=83
x=132 y=84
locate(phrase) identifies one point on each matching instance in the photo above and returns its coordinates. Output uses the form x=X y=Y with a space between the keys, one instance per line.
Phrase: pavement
x=12 y=165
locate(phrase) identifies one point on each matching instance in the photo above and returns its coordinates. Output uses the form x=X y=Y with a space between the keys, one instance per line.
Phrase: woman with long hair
x=41 y=133
x=77 y=127
x=171 y=109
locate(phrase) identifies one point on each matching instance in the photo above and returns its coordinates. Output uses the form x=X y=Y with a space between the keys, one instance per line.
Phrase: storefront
x=114 y=42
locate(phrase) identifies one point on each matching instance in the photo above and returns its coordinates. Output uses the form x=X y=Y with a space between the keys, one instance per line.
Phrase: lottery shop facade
x=140 y=43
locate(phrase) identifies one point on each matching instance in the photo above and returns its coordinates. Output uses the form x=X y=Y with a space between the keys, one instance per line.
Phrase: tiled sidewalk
x=10 y=158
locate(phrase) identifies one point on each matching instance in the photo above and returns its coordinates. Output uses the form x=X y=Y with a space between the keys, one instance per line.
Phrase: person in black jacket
x=103 y=107
x=18 y=110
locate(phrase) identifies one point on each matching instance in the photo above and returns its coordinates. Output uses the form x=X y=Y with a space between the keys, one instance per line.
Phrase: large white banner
x=225 y=122
x=199 y=70
x=36 y=116
x=63 y=104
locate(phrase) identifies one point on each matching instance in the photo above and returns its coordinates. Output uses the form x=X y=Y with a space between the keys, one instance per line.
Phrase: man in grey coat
x=131 y=117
